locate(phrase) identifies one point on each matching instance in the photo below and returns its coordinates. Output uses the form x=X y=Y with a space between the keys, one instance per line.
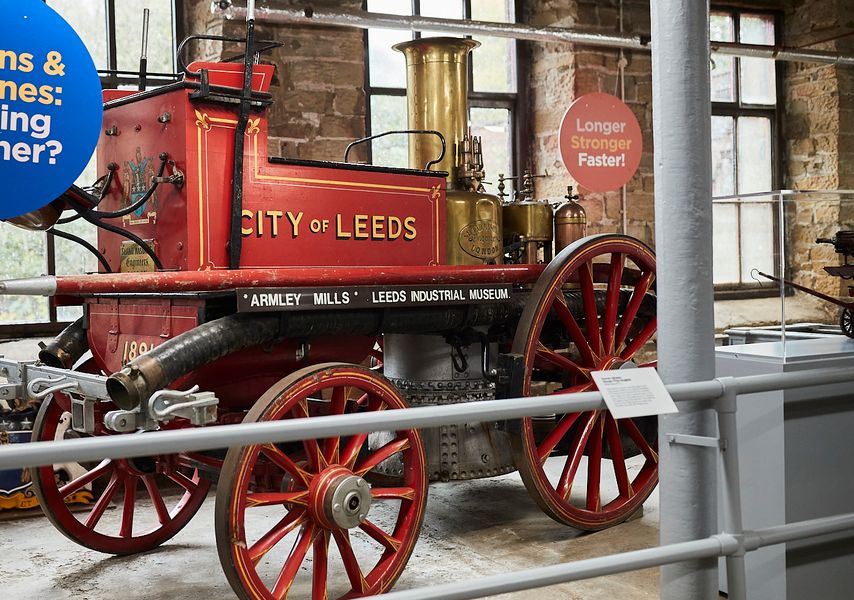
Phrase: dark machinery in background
x=235 y=287
x=843 y=243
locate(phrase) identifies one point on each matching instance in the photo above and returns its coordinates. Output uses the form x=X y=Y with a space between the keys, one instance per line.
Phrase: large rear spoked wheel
x=592 y=309
x=303 y=520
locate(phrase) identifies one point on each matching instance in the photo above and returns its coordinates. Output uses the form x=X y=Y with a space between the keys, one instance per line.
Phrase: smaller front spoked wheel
x=303 y=520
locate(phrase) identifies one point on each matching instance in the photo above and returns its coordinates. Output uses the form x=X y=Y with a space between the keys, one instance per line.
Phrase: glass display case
x=795 y=246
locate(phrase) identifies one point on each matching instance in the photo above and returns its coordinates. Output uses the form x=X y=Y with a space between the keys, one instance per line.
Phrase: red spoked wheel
x=592 y=309
x=155 y=497
x=302 y=520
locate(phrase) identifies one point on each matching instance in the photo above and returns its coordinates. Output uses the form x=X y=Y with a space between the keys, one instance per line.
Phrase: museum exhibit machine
x=238 y=287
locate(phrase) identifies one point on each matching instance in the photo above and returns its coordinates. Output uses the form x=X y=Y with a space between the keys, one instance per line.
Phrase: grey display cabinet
x=796 y=451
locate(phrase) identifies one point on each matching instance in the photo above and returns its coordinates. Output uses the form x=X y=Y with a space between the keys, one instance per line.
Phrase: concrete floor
x=471 y=529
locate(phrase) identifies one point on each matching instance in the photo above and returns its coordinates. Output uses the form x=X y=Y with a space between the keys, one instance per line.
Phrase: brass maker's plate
x=135 y=260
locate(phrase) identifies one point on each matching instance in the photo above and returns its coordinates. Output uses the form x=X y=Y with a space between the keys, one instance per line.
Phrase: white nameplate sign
x=634 y=392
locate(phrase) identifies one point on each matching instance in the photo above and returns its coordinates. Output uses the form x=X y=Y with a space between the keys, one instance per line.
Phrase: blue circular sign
x=50 y=106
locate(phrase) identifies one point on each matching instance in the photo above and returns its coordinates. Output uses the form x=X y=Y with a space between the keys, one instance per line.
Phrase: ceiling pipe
x=518 y=31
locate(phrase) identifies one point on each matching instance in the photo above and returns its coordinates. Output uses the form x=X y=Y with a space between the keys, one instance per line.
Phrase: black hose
x=83 y=212
x=67 y=348
x=185 y=353
x=73 y=238
x=141 y=202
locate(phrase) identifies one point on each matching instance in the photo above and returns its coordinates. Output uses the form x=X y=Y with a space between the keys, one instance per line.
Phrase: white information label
x=634 y=393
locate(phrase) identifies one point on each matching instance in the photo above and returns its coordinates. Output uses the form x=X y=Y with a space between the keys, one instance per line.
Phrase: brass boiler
x=530 y=222
x=437 y=99
x=570 y=222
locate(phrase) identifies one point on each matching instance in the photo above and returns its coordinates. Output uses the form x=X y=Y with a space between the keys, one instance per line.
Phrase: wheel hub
x=340 y=499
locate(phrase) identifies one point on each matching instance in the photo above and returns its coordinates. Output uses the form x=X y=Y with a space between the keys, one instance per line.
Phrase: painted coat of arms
x=137 y=176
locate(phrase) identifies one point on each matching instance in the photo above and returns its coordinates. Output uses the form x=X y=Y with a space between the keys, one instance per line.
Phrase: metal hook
x=61 y=383
x=753 y=276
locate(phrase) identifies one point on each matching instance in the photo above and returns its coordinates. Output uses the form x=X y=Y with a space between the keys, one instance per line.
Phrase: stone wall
x=818 y=132
x=560 y=73
x=319 y=86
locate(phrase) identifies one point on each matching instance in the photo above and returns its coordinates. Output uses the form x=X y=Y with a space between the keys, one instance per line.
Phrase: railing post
x=731 y=486
x=683 y=236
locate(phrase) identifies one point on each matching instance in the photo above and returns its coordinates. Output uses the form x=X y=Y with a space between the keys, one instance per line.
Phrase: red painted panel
x=294 y=214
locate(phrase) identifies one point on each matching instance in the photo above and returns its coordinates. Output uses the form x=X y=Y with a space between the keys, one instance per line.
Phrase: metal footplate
x=33 y=382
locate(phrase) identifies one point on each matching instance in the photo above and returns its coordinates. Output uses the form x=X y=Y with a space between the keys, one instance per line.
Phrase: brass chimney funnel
x=437 y=98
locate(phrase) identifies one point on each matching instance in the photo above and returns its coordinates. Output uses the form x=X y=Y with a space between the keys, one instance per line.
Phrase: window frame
x=735 y=110
x=515 y=103
x=110 y=80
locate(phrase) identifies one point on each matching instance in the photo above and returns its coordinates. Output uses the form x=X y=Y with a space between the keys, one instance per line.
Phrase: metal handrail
x=223 y=436
x=733 y=544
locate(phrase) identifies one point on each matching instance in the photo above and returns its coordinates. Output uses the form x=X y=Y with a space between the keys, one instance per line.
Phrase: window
x=492 y=83
x=112 y=31
x=744 y=140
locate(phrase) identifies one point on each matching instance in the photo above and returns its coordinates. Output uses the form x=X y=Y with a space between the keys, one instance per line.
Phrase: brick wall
x=319 y=86
x=562 y=72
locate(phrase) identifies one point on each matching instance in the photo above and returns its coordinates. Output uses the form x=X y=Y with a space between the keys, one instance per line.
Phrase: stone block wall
x=319 y=85
x=562 y=72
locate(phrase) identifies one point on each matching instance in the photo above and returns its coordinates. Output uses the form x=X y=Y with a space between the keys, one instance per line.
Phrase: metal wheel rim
x=584 y=429
x=286 y=399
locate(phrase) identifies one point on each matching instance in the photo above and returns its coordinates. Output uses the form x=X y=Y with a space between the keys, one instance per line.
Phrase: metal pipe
x=517 y=31
x=364 y=20
x=221 y=436
x=206 y=281
x=683 y=233
x=572 y=571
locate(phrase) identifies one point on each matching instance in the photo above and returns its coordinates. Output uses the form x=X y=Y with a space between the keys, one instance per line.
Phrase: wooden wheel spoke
x=272 y=498
x=640 y=339
x=128 y=506
x=591 y=314
x=378 y=456
x=551 y=360
x=392 y=493
x=320 y=566
x=294 y=561
x=556 y=435
x=78 y=484
x=574 y=459
x=103 y=502
x=612 y=302
x=387 y=541
x=639 y=440
x=316 y=460
x=594 y=467
x=193 y=460
x=575 y=334
x=265 y=543
x=351 y=451
x=634 y=304
x=351 y=563
x=332 y=446
x=156 y=499
x=612 y=434
x=184 y=481
x=284 y=462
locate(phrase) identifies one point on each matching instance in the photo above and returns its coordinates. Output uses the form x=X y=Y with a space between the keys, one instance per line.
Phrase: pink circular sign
x=600 y=142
